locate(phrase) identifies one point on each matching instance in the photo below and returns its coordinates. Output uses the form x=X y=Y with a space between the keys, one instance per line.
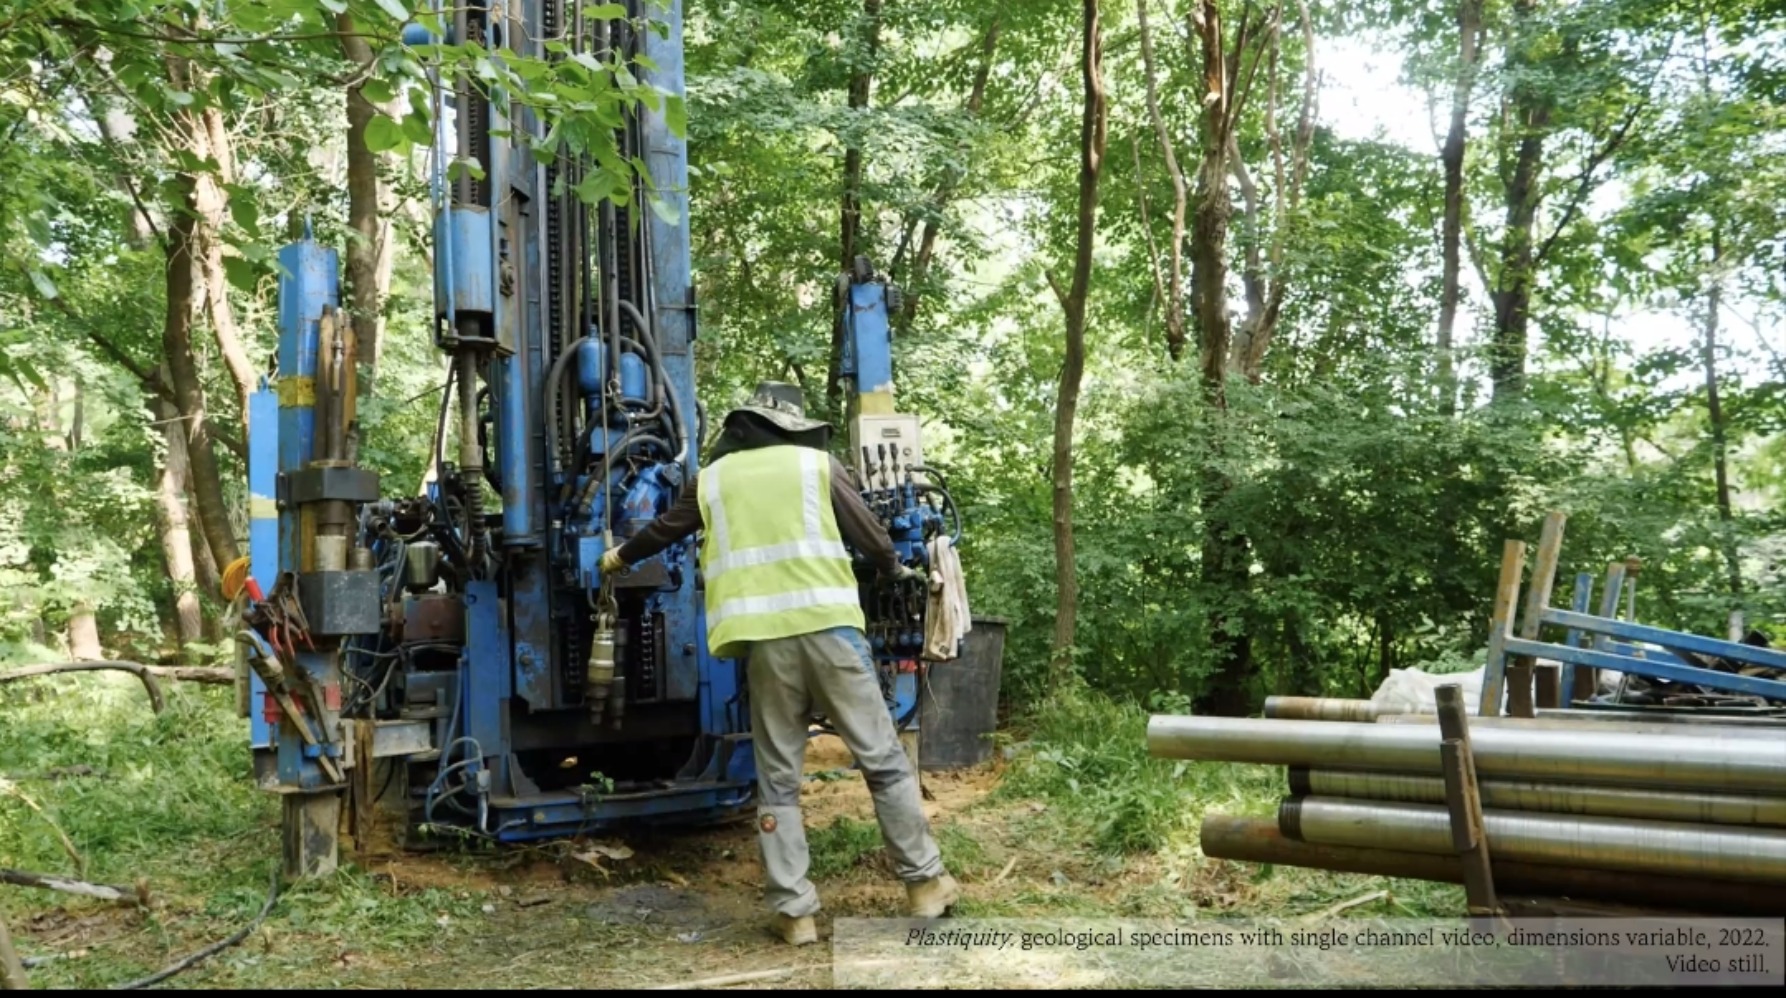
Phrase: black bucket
x=958 y=707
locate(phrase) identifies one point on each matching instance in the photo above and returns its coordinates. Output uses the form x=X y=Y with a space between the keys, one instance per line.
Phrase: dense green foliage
x=1373 y=509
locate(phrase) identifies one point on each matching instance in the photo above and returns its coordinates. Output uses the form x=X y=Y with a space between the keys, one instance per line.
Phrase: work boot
x=932 y=898
x=796 y=931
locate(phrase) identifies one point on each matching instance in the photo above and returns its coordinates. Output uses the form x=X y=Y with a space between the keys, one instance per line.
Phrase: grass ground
x=1070 y=819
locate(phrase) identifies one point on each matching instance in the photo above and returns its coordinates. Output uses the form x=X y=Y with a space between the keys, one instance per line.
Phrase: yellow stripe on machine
x=297 y=392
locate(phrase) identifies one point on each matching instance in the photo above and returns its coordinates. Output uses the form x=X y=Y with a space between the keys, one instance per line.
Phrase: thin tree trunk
x=176 y=534
x=1469 y=31
x=1715 y=415
x=369 y=248
x=1513 y=299
x=210 y=140
x=1072 y=301
x=210 y=580
x=850 y=213
x=1209 y=240
x=1174 y=283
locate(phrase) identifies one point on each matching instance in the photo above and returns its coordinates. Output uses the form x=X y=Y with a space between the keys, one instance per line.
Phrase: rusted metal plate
x=434 y=618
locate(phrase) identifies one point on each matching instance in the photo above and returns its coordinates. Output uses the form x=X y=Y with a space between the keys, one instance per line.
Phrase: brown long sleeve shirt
x=854 y=520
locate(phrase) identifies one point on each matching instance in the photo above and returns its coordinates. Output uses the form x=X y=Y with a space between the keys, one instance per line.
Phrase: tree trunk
x=213 y=204
x=1469 y=30
x=850 y=212
x=199 y=200
x=176 y=534
x=1072 y=301
x=189 y=393
x=1174 y=282
x=1513 y=298
x=1209 y=237
x=369 y=248
x=1715 y=416
x=1227 y=558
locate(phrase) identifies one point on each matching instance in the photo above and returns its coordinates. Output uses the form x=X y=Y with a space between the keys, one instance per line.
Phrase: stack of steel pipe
x=1680 y=814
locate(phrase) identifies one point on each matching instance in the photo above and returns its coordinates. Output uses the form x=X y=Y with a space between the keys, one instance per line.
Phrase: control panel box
x=882 y=447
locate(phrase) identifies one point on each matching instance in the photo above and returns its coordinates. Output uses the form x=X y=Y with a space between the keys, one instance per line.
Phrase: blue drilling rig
x=456 y=657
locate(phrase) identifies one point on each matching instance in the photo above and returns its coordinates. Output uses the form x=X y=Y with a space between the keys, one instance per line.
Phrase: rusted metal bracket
x=1464 y=800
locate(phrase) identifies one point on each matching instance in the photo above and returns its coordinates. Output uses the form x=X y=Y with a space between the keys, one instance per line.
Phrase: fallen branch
x=1002 y=874
x=208 y=675
x=12 y=972
x=135 y=668
x=51 y=882
x=213 y=949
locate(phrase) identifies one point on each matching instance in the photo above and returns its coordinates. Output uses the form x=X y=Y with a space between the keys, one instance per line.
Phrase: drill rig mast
x=462 y=660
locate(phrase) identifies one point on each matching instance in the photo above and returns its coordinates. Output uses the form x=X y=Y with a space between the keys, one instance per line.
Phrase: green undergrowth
x=100 y=787
x=847 y=844
x=1086 y=755
x=1084 y=824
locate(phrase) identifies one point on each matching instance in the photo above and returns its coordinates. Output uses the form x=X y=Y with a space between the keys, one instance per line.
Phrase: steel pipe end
x=1289 y=818
x=1300 y=785
x=1156 y=730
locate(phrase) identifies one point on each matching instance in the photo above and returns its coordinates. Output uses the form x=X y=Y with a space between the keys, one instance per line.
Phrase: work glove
x=611 y=561
x=907 y=572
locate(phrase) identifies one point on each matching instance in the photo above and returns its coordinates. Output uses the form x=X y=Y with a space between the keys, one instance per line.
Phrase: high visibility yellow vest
x=773 y=558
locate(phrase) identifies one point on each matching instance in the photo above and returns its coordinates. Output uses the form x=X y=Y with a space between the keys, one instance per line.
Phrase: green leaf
x=25 y=369
x=668 y=214
x=676 y=116
x=642 y=171
x=646 y=61
x=461 y=165
x=596 y=186
x=245 y=212
x=377 y=91
x=241 y=273
x=335 y=6
x=417 y=130
x=383 y=134
x=396 y=8
x=606 y=11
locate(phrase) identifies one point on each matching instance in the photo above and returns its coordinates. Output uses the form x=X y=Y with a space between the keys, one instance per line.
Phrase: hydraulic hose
x=554 y=385
x=679 y=425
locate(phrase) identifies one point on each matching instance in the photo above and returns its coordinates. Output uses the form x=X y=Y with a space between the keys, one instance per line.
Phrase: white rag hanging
x=946 y=612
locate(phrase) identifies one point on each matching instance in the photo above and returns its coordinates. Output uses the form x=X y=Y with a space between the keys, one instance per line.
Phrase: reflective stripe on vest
x=773 y=560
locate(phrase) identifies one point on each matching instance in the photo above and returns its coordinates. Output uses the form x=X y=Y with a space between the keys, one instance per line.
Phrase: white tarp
x=1411 y=691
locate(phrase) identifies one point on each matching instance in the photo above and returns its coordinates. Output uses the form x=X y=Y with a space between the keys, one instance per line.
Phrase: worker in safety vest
x=776 y=508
